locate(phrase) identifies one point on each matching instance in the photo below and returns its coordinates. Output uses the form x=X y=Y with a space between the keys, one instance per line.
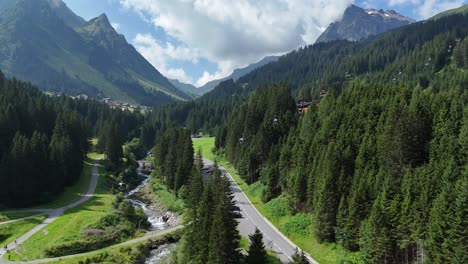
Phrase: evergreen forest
x=44 y=140
x=379 y=159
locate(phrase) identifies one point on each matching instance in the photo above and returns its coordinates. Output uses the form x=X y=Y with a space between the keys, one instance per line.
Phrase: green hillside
x=376 y=166
x=460 y=10
x=92 y=59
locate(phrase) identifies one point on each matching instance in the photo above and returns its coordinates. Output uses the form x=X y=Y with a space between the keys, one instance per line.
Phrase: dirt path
x=53 y=214
x=151 y=235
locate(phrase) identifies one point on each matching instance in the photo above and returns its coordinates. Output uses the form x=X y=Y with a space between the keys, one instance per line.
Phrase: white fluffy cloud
x=233 y=34
x=236 y=33
x=160 y=55
x=428 y=8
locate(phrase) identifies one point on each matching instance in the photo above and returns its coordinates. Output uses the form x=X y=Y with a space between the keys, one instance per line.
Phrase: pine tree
x=457 y=240
x=202 y=227
x=327 y=201
x=257 y=252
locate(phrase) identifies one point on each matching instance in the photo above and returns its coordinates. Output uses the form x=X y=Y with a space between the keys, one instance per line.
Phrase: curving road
x=53 y=214
x=251 y=218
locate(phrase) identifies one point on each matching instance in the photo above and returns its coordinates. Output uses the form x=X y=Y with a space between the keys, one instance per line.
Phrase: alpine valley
x=45 y=43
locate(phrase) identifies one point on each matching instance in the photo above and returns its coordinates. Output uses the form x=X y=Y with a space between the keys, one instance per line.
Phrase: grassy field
x=69 y=226
x=12 y=216
x=205 y=145
x=298 y=228
x=10 y=232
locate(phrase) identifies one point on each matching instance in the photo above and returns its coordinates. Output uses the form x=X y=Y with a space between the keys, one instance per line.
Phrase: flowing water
x=160 y=254
x=155 y=217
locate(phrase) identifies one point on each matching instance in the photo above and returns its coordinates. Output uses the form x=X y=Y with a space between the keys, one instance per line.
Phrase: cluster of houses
x=303 y=105
x=120 y=105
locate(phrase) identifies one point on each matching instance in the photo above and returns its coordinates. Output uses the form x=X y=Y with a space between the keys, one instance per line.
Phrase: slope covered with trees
x=212 y=236
x=395 y=56
x=43 y=140
x=379 y=162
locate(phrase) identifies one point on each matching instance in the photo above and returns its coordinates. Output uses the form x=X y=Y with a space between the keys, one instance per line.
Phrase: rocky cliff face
x=358 y=23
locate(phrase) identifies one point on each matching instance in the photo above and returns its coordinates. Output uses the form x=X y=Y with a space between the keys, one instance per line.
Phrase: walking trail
x=53 y=214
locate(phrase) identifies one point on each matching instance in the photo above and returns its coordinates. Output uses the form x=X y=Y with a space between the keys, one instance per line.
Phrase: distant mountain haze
x=45 y=43
x=238 y=73
x=358 y=23
x=187 y=88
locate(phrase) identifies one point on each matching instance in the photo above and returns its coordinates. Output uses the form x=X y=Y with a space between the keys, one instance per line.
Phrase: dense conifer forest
x=44 y=139
x=380 y=160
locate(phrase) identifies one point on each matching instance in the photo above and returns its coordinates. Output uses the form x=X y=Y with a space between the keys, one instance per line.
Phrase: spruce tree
x=257 y=252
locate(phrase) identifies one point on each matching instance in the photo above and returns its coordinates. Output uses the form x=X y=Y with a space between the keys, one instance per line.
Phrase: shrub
x=277 y=207
x=298 y=224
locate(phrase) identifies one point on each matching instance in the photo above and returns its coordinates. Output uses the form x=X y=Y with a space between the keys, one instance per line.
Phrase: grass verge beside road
x=298 y=228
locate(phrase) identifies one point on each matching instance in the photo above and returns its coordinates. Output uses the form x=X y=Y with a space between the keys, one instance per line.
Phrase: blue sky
x=196 y=41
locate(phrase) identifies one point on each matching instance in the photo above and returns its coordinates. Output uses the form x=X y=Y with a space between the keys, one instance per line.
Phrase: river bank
x=158 y=215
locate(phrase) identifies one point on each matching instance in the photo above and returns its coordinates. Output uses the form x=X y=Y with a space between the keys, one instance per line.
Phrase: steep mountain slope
x=358 y=23
x=461 y=10
x=101 y=36
x=186 y=88
x=238 y=73
x=394 y=56
x=40 y=47
x=64 y=13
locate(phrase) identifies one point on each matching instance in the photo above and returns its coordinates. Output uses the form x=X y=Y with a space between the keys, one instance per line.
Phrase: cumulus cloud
x=234 y=34
x=159 y=55
x=427 y=8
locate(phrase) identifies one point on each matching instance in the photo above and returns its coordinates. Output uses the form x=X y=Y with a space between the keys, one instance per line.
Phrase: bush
x=277 y=207
x=298 y=224
x=255 y=189
x=80 y=246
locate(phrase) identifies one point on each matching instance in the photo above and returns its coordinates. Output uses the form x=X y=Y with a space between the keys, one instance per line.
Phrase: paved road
x=272 y=237
x=151 y=235
x=53 y=214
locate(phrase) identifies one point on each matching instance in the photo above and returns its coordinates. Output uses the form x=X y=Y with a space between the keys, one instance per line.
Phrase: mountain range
x=238 y=73
x=45 y=43
x=358 y=23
